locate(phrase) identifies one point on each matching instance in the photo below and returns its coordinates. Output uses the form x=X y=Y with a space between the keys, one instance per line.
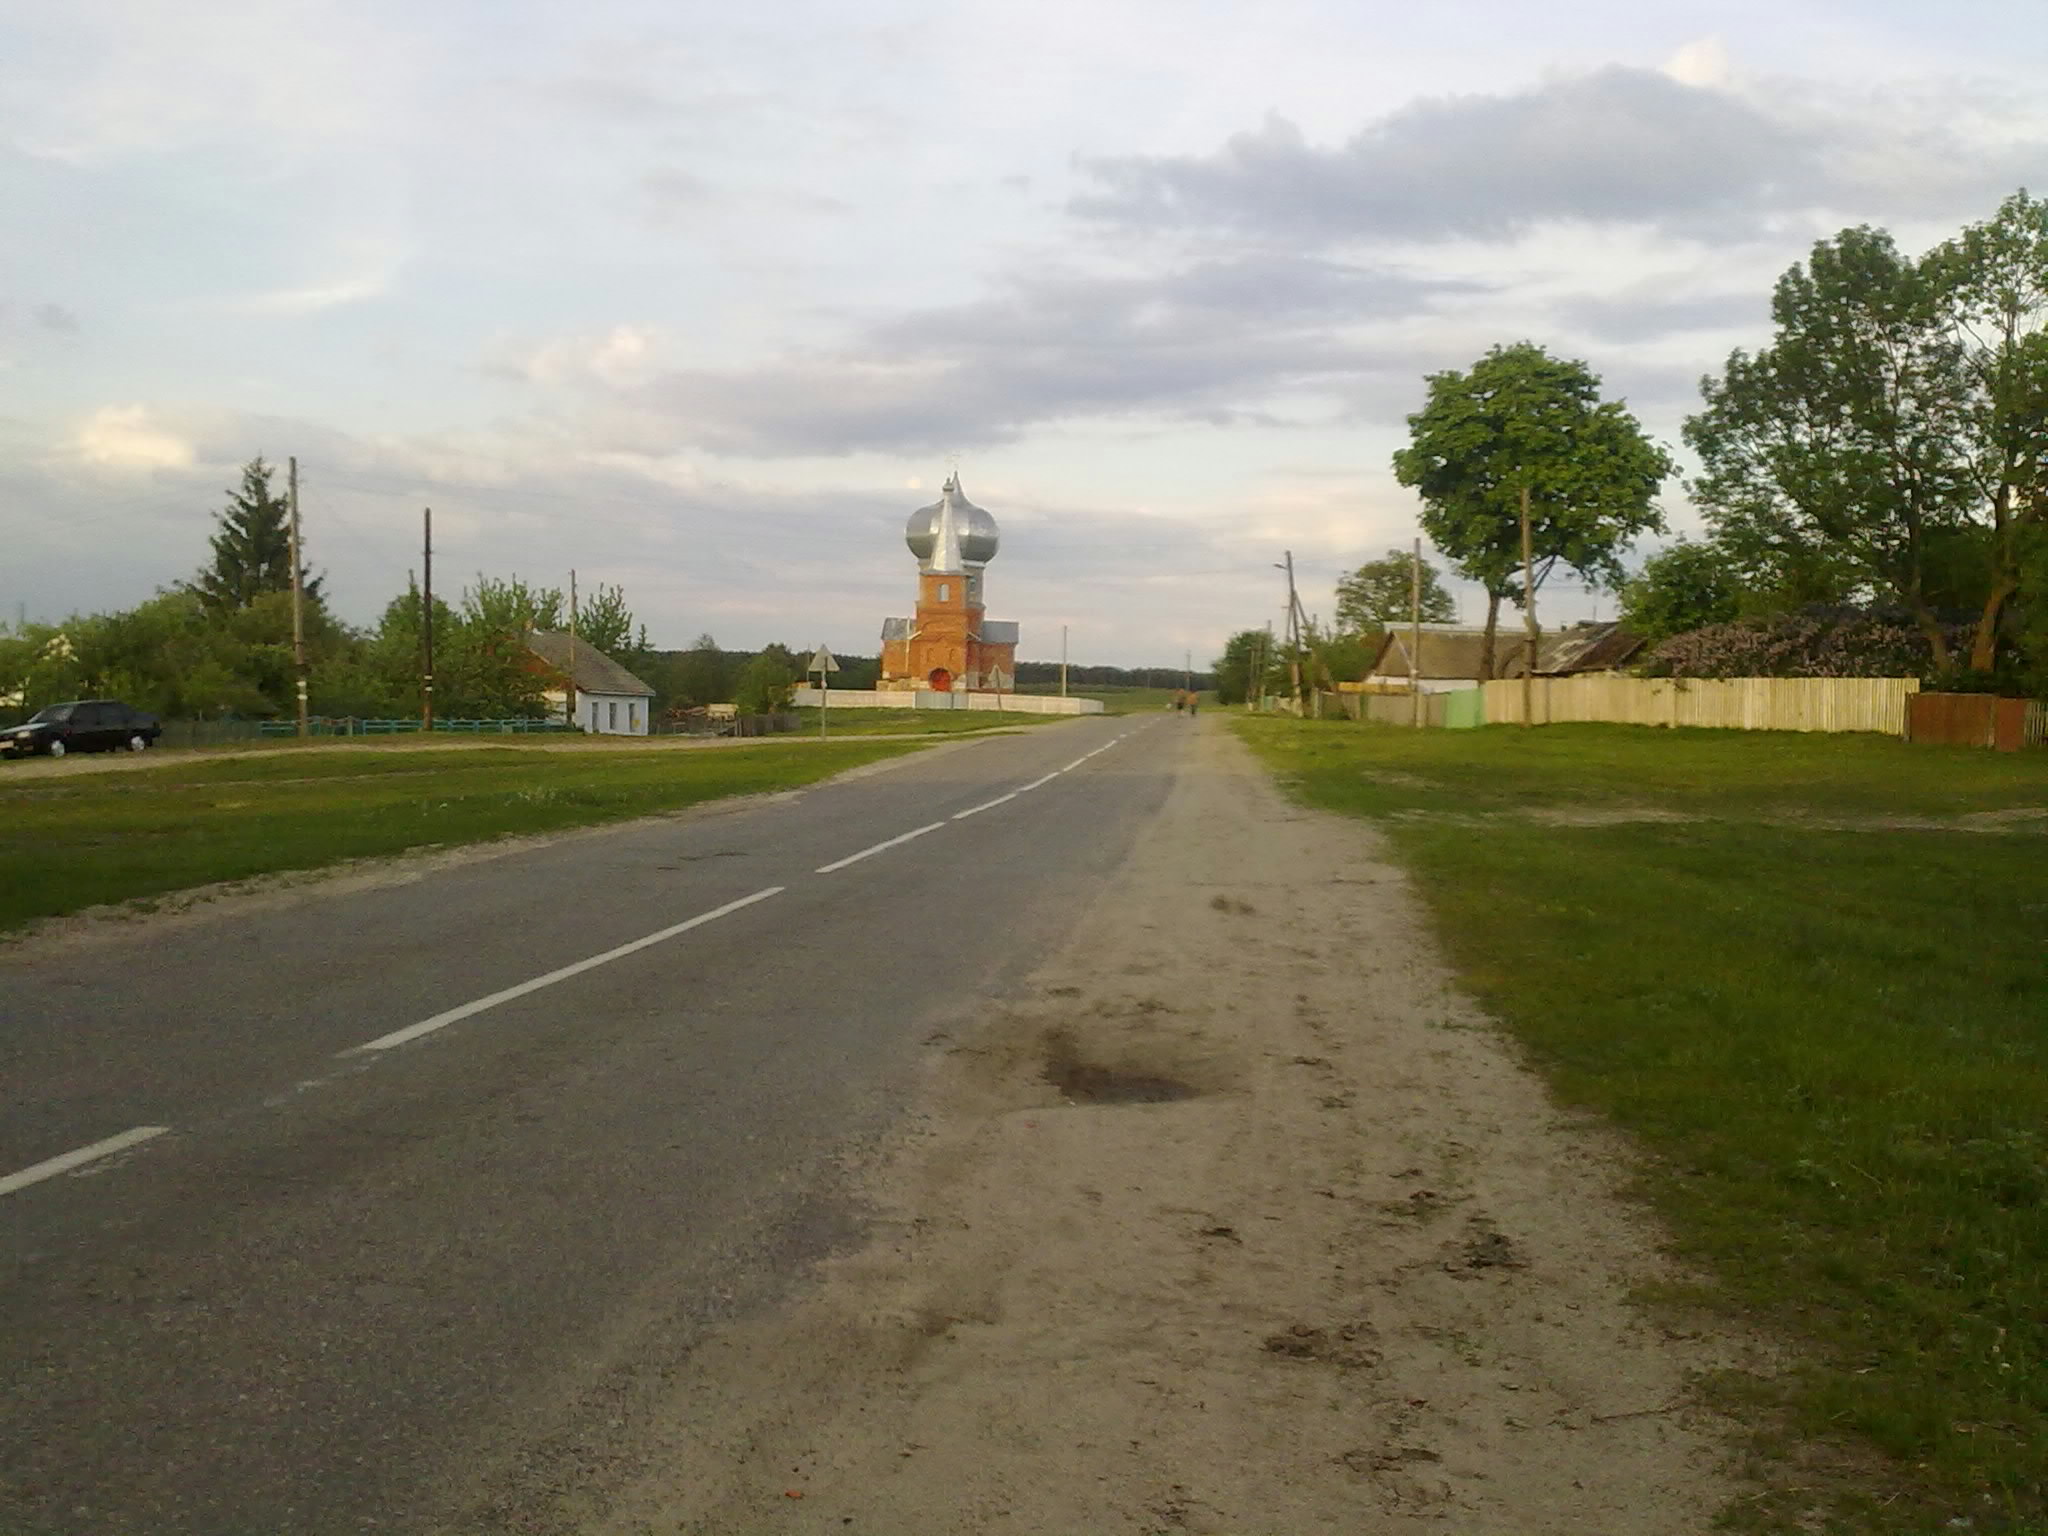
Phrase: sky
x=704 y=300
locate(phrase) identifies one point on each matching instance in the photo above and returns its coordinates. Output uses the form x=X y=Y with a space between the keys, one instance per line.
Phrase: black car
x=87 y=725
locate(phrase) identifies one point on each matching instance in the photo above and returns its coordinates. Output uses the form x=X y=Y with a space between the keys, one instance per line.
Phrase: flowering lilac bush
x=1814 y=642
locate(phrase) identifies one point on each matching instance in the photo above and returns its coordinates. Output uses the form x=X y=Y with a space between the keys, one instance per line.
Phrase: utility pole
x=1414 y=636
x=427 y=620
x=1528 y=616
x=569 y=683
x=1063 y=661
x=298 y=597
x=1293 y=634
x=1187 y=671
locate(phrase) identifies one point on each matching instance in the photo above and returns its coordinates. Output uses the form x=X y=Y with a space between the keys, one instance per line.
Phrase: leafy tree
x=1331 y=657
x=1682 y=588
x=1376 y=595
x=765 y=683
x=1992 y=284
x=1247 y=667
x=696 y=677
x=509 y=605
x=1522 y=419
x=607 y=623
x=251 y=546
x=1833 y=458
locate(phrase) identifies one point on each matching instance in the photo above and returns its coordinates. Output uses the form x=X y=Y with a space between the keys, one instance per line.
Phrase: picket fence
x=1740 y=703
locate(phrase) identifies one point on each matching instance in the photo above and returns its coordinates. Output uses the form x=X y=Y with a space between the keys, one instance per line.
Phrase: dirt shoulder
x=1241 y=1221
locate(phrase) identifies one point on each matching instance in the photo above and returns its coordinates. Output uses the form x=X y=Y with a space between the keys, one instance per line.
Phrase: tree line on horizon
x=1874 y=483
x=218 y=645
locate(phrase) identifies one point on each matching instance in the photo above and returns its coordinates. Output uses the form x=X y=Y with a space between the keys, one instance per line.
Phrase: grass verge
x=1831 y=1040
x=79 y=841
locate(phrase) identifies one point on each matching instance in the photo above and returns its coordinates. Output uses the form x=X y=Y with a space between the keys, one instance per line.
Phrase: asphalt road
x=338 y=1281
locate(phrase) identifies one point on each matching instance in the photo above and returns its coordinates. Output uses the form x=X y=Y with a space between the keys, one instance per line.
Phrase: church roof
x=952 y=531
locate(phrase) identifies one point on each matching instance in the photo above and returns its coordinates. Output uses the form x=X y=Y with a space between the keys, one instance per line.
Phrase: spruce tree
x=251 y=547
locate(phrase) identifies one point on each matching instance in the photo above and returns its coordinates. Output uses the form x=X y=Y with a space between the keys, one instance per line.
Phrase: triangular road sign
x=822 y=662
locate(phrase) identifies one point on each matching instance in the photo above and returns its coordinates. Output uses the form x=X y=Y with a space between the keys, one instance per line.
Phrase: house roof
x=1451 y=651
x=595 y=671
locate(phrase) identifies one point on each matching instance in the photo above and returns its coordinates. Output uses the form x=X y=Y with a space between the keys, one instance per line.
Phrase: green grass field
x=1810 y=975
x=75 y=841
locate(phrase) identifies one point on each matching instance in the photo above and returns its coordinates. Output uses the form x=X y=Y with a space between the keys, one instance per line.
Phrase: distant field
x=1808 y=974
x=80 y=840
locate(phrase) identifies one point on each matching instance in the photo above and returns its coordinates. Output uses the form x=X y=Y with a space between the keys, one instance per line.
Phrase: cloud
x=1703 y=61
x=318 y=296
x=128 y=437
x=1208 y=342
x=1640 y=316
x=1616 y=146
x=616 y=359
x=55 y=317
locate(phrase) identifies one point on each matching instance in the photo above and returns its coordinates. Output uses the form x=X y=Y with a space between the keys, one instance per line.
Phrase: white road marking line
x=1026 y=788
x=1077 y=762
x=855 y=858
x=50 y=1167
x=468 y=1010
x=986 y=805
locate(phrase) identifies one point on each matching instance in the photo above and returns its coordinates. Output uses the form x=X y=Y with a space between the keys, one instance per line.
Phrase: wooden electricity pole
x=1293 y=635
x=1063 y=661
x=569 y=684
x=427 y=619
x=1528 y=616
x=1414 y=637
x=298 y=597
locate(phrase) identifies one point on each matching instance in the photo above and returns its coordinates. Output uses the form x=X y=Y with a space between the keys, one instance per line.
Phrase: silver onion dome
x=975 y=529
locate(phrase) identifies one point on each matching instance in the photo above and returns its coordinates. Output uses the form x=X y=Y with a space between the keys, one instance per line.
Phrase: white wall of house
x=612 y=714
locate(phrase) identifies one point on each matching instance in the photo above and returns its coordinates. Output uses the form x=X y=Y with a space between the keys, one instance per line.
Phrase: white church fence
x=932 y=698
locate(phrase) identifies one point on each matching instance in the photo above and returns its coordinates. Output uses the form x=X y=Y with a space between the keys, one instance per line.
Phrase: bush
x=1814 y=642
x=764 y=686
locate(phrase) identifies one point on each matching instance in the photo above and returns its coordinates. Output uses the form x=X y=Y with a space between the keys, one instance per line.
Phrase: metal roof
x=1451 y=651
x=951 y=532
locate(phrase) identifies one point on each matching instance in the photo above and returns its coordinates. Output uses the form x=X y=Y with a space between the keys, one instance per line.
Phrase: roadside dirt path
x=1243 y=1222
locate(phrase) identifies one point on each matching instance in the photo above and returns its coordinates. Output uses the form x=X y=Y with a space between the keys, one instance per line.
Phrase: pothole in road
x=1087 y=1082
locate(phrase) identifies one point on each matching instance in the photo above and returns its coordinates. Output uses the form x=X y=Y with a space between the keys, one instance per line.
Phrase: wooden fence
x=1976 y=720
x=1741 y=703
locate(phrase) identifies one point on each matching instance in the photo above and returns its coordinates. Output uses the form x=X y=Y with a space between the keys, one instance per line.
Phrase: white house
x=610 y=701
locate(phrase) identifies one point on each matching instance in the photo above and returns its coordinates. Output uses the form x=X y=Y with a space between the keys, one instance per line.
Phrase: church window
x=945 y=591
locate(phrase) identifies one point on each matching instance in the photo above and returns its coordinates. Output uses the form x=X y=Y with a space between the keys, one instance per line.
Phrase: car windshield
x=56 y=714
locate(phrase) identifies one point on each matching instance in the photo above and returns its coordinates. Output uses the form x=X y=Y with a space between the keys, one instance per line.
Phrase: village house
x=610 y=701
x=1451 y=655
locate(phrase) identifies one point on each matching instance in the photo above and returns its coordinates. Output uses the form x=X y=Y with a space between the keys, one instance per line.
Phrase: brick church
x=949 y=645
